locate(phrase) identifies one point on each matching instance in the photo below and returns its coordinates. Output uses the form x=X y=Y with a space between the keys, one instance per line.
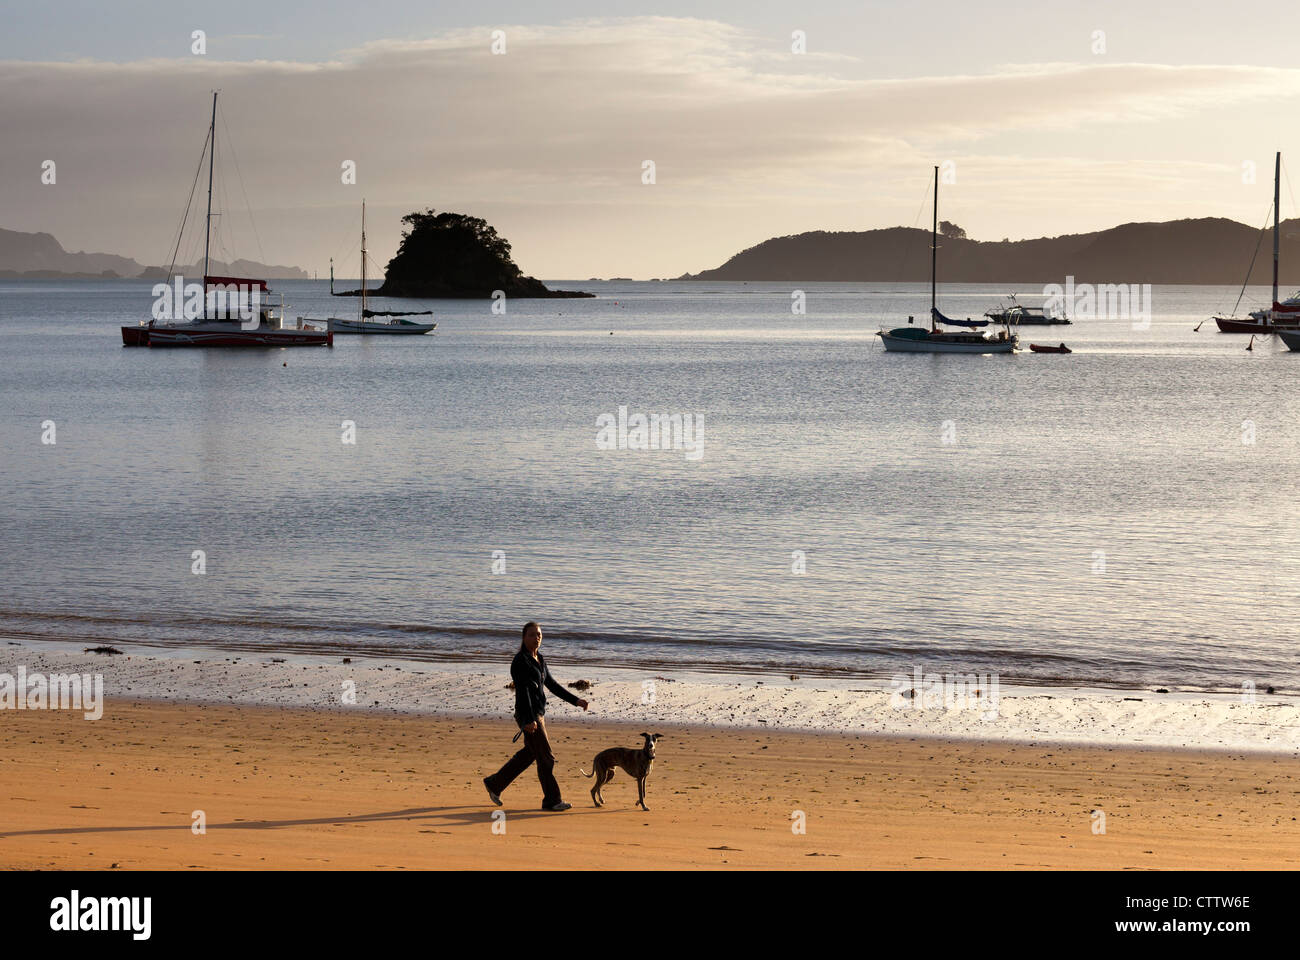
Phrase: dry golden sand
x=285 y=788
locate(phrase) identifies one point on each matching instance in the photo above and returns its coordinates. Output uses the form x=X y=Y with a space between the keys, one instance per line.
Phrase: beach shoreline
x=1015 y=714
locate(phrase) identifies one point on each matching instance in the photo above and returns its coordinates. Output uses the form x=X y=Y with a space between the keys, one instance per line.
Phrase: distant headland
x=36 y=256
x=455 y=256
x=1205 y=251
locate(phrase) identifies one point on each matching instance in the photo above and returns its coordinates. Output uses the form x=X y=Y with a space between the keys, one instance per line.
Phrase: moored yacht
x=375 y=321
x=1017 y=315
x=244 y=321
x=265 y=327
x=936 y=340
x=914 y=339
x=1281 y=316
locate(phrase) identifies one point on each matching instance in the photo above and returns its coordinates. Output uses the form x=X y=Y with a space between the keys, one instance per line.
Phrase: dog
x=636 y=763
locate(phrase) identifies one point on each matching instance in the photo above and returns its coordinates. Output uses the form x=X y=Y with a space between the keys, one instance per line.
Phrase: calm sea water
x=1096 y=519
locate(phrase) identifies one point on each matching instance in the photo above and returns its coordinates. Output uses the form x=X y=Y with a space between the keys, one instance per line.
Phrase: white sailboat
x=375 y=321
x=936 y=339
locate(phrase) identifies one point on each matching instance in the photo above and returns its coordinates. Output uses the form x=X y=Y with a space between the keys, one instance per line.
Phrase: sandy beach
x=296 y=788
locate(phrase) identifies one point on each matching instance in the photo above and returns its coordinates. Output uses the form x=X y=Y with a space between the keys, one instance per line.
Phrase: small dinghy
x=1038 y=348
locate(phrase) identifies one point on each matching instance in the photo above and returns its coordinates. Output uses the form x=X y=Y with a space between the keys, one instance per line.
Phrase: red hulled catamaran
x=246 y=320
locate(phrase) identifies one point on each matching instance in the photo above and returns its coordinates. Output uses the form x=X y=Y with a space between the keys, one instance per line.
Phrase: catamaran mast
x=363 y=258
x=1277 y=179
x=934 y=248
x=207 y=236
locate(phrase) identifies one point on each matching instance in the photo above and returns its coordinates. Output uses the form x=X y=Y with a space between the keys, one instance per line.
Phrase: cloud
x=551 y=136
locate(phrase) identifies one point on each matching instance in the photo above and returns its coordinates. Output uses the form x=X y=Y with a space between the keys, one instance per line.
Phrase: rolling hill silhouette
x=1209 y=250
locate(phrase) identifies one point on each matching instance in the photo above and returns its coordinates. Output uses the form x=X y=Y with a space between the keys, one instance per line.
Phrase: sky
x=1049 y=117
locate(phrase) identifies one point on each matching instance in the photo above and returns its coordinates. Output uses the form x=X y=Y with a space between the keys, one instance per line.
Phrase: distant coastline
x=1204 y=251
x=39 y=256
x=60 y=275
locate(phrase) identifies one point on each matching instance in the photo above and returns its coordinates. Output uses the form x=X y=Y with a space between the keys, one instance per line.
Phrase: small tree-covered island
x=453 y=255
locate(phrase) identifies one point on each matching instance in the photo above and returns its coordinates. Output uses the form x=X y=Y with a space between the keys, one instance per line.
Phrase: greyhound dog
x=635 y=762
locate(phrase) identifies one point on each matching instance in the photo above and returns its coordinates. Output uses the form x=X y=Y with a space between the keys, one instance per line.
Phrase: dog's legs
x=640 y=789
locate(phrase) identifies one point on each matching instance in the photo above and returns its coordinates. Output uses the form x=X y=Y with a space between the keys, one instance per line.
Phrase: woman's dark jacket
x=530 y=676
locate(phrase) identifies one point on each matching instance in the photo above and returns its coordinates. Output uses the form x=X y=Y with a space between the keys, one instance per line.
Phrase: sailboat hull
x=1259 y=327
x=929 y=345
x=370 y=326
x=234 y=335
x=1290 y=337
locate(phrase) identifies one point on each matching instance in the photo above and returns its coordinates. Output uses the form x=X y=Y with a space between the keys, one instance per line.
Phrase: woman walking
x=532 y=679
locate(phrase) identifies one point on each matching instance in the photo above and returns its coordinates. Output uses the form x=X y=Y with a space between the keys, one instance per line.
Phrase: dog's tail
x=585 y=773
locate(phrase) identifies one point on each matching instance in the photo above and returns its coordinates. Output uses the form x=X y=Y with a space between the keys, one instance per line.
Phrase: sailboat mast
x=207 y=236
x=1277 y=180
x=331 y=276
x=363 y=258
x=934 y=248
